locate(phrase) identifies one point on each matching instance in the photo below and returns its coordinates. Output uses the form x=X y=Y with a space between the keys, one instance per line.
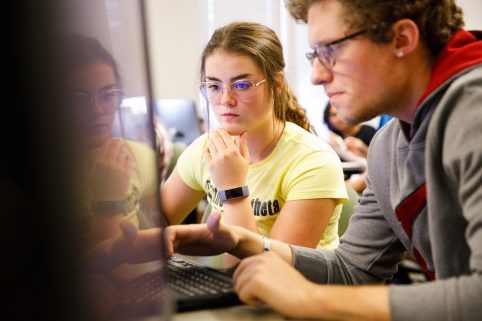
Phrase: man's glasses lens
x=324 y=54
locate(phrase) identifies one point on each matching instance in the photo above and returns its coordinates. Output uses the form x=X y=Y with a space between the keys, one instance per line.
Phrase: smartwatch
x=237 y=192
x=107 y=207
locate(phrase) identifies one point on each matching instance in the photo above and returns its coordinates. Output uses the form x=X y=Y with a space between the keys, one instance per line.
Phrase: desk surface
x=353 y=167
x=237 y=313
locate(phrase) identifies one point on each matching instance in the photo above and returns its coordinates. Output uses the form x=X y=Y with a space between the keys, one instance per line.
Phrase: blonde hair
x=262 y=45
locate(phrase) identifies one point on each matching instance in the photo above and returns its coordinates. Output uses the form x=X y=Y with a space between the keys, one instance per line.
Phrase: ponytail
x=287 y=108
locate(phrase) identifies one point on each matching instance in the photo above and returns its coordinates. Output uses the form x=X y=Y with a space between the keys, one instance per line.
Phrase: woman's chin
x=95 y=141
x=232 y=129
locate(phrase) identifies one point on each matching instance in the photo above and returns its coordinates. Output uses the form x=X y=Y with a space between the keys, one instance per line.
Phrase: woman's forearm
x=238 y=212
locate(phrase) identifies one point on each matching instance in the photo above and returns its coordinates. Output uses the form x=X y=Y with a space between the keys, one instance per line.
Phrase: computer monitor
x=109 y=80
x=180 y=117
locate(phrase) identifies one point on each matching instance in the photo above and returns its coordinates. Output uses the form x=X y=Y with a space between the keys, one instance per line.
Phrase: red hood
x=462 y=51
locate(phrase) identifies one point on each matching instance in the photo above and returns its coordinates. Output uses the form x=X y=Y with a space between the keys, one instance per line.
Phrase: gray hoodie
x=444 y=150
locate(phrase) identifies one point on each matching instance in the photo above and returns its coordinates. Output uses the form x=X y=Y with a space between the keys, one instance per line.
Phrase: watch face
x=107 y=207
x=235 y=192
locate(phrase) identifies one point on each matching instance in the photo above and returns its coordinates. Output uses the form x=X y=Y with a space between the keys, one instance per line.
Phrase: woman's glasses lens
x=107 y=99
x=242 y=90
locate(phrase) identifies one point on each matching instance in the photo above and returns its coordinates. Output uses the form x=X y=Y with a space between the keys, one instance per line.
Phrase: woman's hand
x=111 y=172
x=227 y=160
x=129 y=246
x=201 y=239
x=356 y=146
x=336 y=141
x=141 y=246
x=99 y=296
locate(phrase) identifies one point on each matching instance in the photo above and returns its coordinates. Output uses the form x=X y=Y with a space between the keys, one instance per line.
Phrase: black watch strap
x=107 y=207
x=237 y=192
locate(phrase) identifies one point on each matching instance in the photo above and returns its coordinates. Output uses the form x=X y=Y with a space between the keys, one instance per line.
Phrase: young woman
x=119 y=174
x=263 y=168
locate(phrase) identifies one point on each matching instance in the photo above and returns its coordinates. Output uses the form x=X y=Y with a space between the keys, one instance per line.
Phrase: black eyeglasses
x=325 y=52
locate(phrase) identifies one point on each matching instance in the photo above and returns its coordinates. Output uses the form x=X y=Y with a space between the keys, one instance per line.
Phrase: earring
x=399 y=54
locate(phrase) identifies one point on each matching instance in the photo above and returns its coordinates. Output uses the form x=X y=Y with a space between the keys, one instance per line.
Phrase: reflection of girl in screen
x=120 y=172
x=295 y=181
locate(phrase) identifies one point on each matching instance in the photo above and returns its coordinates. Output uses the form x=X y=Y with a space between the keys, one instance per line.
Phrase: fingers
x=123 y=157
x=216 y=144
x=112 y=170
x=170 y=238
x=192 y=239
x=247 y=280
x=249 y=293
x=207 y=157
x=177 y=236
x=136 y=246
x=129 y=231
x=100 y=295
x=354 y=142
x=243 y=145
x=241 y=268
x=356 y=146
x=211 y=149
x=214 y=220
x=220 y=141
x=102 y=150
x=123 y=241
x=120 y=155
x=108 y=148
x=349 y=140
x=245 y=271
x=226 y=138
x=115 y=150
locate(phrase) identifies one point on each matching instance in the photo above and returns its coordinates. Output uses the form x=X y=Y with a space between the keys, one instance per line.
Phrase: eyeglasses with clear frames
x=326 y=53
x=242 y=90
x=108 y=99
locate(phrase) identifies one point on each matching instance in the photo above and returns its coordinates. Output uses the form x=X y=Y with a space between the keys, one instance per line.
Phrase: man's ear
x=406 y=37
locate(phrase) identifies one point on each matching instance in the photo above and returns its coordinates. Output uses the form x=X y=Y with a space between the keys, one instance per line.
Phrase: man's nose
x=320 y=75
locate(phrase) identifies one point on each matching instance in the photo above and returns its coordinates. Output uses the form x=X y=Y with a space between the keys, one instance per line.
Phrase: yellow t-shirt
x=300 y=167
x=144 y=182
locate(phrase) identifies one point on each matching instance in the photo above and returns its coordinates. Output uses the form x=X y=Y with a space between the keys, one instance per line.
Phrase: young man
x=410 y=60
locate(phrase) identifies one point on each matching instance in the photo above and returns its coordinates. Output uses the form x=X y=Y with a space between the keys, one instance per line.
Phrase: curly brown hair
x=264 y=47
x=437 y=20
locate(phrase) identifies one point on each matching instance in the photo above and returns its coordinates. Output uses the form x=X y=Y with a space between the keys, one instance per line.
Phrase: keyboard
x=191 y=280
x=192 y=287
